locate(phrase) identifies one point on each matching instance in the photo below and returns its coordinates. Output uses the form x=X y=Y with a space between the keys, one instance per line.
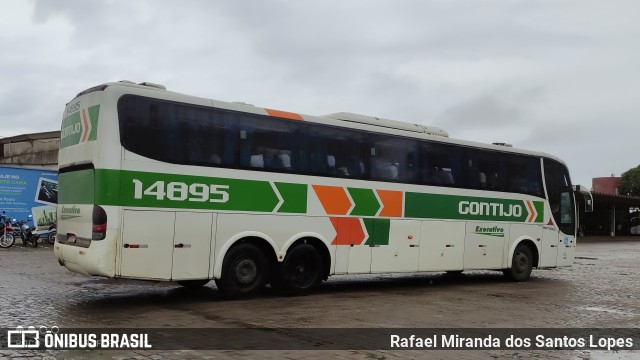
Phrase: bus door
x=166 y=245
x=550 y=243
x=562 y=221
x=567 y=235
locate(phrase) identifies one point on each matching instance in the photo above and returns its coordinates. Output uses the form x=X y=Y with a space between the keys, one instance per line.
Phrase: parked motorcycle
x=15 y=227
x=28 y=234
x=6 y=234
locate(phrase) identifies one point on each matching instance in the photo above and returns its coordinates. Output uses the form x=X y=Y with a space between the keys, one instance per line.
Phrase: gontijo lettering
x=492 y=209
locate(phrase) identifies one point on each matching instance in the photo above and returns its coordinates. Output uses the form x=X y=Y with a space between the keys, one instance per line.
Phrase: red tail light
x=99 y=220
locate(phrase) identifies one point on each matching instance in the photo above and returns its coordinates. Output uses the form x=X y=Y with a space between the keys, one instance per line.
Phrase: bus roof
x=344 y=119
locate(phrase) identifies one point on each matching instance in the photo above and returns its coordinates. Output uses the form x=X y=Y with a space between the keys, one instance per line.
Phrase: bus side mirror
x=586 y=194
x=588 y=205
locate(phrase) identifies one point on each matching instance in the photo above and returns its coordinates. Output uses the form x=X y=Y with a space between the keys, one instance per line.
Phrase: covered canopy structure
x=612 y=215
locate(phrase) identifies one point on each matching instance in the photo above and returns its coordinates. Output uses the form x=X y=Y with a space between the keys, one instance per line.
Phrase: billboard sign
x=25 y=192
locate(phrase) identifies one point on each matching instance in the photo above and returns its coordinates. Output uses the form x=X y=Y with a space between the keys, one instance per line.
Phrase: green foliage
x=630 y=182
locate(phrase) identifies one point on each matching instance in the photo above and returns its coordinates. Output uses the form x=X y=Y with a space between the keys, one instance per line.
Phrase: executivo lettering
x=491 y=231
x=70 y=212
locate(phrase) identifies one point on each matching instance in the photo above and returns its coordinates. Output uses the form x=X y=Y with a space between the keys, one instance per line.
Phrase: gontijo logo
x=79 y=125
x=492 y=209
x=497 y=209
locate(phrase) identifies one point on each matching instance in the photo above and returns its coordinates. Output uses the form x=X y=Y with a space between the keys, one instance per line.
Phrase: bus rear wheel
x=244 y=270
x=300 y=271
x=521 y=264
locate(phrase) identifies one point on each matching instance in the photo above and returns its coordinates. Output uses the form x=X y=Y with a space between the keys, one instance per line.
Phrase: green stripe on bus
x=94 y=114
x=539 y=205
x=71 y=130
x=435 y=206
x=366 y=203
x=294 y=196
x=378 y=230
x=158 y=190
x=76 y=187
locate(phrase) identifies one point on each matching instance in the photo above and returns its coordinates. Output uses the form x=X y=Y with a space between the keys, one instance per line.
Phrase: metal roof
x=616 y=200
x=29 y=137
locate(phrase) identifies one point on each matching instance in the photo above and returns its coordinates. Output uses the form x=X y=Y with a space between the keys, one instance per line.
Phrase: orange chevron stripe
x=284 y=114
x=348 y=231
x=532 y=211
x=334 y=199
x=391 y=203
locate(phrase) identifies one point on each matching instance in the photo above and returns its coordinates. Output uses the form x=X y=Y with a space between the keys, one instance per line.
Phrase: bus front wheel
x=300 y=271
x=244 y=270
x=521 y=264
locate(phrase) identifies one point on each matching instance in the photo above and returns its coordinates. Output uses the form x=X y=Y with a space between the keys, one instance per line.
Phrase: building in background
x=36 y=151
x=605 y=185
x=614 y=214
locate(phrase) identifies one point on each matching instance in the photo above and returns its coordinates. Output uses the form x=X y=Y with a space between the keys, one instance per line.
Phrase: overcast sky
x=557 y=76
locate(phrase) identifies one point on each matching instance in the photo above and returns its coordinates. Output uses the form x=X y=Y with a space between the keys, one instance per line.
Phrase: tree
x=630 y=182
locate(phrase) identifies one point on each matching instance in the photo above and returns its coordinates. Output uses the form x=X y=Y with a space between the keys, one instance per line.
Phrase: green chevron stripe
x=295 y=198
x=378 y=230
x=366 y=203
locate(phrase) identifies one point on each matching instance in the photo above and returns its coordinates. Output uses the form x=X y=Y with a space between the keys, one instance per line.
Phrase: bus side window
x=256 y=159
x=441 y=165
x=394 y=159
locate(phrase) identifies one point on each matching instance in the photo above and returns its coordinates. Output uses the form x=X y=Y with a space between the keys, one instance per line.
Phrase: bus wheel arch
x=306 y=263
x=524 y=258
x=246 y=266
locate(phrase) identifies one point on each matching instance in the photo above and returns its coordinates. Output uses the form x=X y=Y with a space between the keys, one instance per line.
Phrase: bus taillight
x=99 y=223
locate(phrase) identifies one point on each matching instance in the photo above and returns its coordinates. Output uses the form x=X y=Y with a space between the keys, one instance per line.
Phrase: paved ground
x=600 y=291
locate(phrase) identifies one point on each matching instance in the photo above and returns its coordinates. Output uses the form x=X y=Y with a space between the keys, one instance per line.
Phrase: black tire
x=7 y=240
x=193 y=284
x=245 y=271
x=301 y=270
x=51 y=238
x=521 y=264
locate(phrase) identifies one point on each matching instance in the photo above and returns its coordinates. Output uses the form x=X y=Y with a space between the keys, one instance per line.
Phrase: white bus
x=163 y=186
